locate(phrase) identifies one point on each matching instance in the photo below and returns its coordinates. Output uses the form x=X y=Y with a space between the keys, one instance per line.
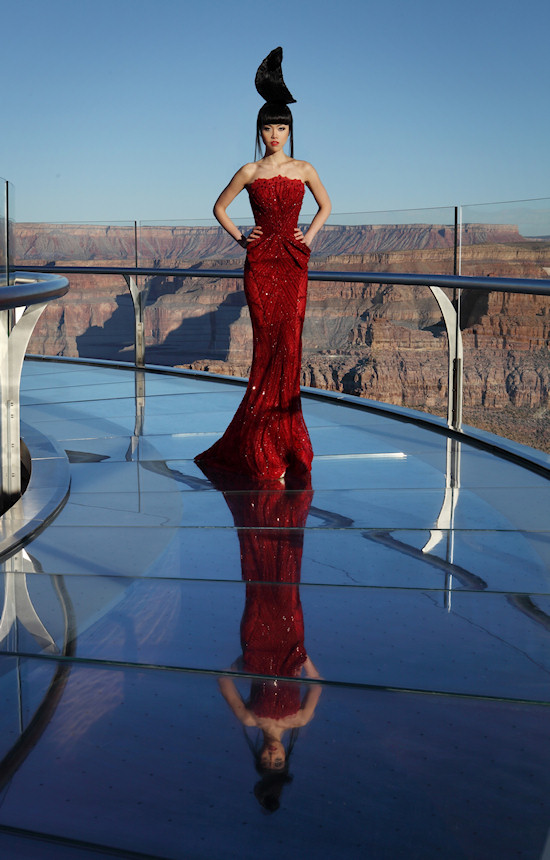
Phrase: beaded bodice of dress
x=276 y=204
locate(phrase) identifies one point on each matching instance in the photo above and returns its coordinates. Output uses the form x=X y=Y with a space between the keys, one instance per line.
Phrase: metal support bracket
x=455 y=352
x=14 y=339
x=18 y=606
x=139 y=300
x=445 y=523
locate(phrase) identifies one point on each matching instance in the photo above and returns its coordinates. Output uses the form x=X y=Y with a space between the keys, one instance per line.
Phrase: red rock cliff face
x=383 y=342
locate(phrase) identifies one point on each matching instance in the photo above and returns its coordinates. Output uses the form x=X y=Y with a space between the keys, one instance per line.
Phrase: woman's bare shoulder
x=307 y=171
x=247 y=172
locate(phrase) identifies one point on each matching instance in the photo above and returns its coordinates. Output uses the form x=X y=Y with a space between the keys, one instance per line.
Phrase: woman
x=267 y=435
x=272 y=758
x=271 y=520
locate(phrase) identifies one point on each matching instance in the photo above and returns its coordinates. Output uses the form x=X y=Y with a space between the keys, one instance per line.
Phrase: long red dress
x=268 y=435
x=270 y=517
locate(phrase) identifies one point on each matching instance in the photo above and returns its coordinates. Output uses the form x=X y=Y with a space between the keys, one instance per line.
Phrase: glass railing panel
x=198 y=242
x=405 y=240
x=189 y=322
x=3 y=235
x=412 y=240
x=10 y=229
x=378 y=341
x=506 y=337
x=198 y=323
x=505 y=239
x=507 y=365
x=76 y=243
x=96 y=318
x=6 y=229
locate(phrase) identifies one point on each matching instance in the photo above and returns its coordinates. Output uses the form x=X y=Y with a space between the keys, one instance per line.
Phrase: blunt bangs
x=273 y=114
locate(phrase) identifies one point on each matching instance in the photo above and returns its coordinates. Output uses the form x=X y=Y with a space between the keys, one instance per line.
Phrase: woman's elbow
x=325 y=208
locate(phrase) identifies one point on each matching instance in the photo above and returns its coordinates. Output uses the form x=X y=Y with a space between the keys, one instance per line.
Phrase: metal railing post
x=11 y=313
x=457 y=370
x=6 y=271
x=139 y=299
x=454 y=374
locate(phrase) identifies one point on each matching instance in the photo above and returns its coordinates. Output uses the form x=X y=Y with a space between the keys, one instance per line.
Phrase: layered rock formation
x=379 y=341
x=187 y=245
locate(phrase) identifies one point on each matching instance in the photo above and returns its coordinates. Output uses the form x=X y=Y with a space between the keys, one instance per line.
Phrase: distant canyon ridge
x=378 y=341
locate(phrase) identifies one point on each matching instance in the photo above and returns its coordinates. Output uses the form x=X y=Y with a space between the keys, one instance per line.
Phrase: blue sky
x=143 y=109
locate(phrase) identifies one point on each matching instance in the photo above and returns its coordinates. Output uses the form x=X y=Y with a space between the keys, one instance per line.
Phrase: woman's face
x=275 y=136
x=273 y=755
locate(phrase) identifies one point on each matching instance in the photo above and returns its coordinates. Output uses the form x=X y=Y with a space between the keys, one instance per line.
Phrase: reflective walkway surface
x=196 y=667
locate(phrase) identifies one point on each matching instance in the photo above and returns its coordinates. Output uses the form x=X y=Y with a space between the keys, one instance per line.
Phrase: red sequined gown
x=268 y=435
x=270 y=517
x=272 y=626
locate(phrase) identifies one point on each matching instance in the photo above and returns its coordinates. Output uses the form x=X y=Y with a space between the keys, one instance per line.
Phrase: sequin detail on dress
x=270 y=518
x=268 y=435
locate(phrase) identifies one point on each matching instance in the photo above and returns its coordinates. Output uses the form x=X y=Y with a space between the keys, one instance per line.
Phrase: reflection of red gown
x=268 y=435
x=270 y=518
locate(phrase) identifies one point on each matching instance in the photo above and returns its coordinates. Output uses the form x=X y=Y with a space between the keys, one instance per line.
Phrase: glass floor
x=356 y=666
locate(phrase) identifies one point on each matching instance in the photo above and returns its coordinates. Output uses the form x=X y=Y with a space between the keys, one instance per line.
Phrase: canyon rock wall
x=186 y=245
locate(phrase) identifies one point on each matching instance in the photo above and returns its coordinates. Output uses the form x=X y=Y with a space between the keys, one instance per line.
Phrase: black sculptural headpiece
x=271 y=86
x=269 y=79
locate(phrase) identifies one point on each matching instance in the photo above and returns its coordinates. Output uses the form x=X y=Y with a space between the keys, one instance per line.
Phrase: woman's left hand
x=299 y=236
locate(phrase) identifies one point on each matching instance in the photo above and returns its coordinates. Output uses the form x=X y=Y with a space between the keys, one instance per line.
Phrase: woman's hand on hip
x=299 y=236
x=254 y=234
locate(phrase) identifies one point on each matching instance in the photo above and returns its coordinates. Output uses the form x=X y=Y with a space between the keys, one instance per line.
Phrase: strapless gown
x=268 y=436
x=270 y=518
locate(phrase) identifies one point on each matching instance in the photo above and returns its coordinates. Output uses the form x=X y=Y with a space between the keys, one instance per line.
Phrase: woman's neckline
x=277 y=176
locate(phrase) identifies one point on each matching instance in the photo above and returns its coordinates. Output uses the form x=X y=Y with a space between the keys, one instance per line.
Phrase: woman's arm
x=310 y=670
x=239 y=181
x=311 y=179
x=309 y=704
x=235 y=702
x=305 y=714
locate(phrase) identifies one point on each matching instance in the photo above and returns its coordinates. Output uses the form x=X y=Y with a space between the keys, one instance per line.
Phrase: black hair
x=273 y=113
x=267 y=790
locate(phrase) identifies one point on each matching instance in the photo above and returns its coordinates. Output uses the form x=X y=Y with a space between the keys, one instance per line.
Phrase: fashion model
x=268 y=437
x=270 y=518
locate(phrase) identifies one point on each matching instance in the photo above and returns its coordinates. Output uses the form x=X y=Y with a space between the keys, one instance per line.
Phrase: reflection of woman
x=270 y=517
x=267 y=435
x=274 y=707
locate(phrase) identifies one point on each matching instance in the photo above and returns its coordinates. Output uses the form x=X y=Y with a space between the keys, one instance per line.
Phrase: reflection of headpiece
x=269 y=79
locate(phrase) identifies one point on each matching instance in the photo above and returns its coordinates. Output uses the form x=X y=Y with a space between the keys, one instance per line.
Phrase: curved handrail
x=536 y=286
x=29 y=290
